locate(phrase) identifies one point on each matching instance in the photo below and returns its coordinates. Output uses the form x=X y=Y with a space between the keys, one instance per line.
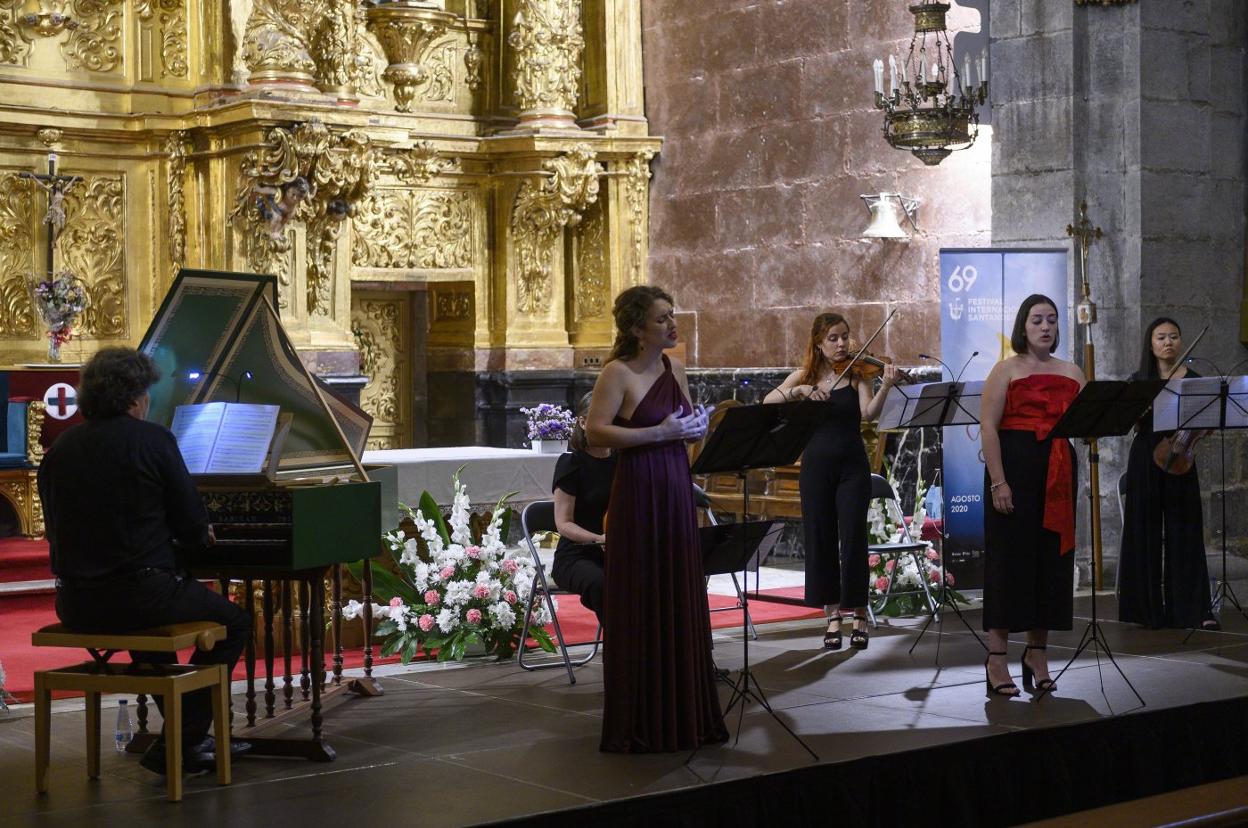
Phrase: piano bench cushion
x=13 y=460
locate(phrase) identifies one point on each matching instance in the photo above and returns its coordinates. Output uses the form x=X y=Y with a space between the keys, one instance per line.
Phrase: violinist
x=1163 y=579
x=835 y=482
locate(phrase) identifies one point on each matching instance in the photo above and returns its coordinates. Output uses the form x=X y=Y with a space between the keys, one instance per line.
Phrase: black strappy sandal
x=1002 y=689
x=859 y=638
x=832 y=640
x=1029 y=675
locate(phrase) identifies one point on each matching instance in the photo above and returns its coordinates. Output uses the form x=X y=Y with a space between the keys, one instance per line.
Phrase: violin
x=1174 y=454
x=868 y=367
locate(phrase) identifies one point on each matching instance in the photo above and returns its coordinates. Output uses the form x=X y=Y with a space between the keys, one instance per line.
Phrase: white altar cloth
x=489 y=473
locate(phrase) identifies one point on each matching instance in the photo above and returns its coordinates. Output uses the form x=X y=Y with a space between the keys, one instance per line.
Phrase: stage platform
x=901 y=740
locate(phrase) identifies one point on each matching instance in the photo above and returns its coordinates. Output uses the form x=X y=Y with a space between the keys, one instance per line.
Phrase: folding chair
x=881 y=490
x=539 y=516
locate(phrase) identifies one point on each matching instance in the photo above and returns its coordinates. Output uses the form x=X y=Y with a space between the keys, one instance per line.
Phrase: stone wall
x=1140 y=110
x=771 y=134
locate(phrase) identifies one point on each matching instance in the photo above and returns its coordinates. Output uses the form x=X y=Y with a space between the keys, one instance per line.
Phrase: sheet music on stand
x=1192 y=402
x=932 y=404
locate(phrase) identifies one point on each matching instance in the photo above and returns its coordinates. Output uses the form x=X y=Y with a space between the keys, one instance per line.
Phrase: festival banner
x=980 y=291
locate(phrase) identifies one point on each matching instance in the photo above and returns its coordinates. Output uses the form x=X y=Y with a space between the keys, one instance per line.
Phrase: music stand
x=1216 y=404
x=755 y=437
x=1104 y=408
x=938 y=405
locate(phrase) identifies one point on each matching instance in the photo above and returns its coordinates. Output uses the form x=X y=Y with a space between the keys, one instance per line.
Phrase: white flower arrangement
x=456 y=590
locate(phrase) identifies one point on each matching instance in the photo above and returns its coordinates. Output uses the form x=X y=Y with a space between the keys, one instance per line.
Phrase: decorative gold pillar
x=547 y=40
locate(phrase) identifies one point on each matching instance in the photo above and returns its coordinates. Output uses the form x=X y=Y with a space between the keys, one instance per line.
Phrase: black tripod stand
x=1106 y=408
x=938 y=405
x=1216 y=404
x=752 y=437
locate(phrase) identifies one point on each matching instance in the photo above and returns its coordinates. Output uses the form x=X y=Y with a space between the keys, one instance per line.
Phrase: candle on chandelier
x=877 y=69
x=922 y=78
x=966 y=70
x=983 y=66
x=892 y=73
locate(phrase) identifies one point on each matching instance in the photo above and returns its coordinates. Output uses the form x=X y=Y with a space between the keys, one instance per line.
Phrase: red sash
x=1035 y=403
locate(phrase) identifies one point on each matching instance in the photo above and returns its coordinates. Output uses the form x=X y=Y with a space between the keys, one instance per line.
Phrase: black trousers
x=150 y=598
x=579 y=569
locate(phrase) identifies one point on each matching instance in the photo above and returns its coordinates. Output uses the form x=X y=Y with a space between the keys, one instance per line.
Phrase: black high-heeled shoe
x=832 y=638
x=859 y=638
x=1029 y=675
x=1002 y=689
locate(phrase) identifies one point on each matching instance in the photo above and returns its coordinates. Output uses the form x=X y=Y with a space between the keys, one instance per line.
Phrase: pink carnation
x=509 y=597
x=396 y=601
x=510 y=566
x=881 y=583
x=426 y=622
x=473 y=552
x=447 y=572
x=474 y=616
x=873 y=561
x=481 y=591
x=934 y=576
x=949 y=578
x=890 y=565
x=933 y=555
x=432 y=598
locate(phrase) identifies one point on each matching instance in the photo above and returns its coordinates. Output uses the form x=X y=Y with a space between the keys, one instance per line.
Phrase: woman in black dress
x=1029 y=507
x=582 y=490
x=1163 y=580
x=835 y=481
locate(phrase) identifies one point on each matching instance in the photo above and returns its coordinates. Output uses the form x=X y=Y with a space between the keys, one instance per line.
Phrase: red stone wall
x=770 y=131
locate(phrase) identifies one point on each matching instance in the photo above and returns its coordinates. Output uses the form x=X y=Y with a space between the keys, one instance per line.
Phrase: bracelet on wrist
x=996 y=486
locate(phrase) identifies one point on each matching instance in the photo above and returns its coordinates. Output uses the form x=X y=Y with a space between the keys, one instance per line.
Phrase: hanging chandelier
x=934 y=114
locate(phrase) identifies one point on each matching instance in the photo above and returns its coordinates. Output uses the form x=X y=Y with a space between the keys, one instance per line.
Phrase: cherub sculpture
x=277 y=206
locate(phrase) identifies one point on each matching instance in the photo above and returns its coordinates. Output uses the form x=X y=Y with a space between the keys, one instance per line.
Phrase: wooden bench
x=171 y=681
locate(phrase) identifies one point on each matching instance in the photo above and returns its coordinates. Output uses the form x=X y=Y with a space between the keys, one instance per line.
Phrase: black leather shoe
x=194 y=762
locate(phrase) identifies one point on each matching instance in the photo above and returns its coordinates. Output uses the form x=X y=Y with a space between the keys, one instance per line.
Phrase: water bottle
x=125 y=728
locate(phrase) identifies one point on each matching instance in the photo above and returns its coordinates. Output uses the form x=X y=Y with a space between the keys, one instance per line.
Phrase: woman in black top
x=582 y=490
x=1163 y=578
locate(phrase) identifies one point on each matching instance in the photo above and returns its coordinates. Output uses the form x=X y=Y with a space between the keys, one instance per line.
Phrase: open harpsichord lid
x=217 y=338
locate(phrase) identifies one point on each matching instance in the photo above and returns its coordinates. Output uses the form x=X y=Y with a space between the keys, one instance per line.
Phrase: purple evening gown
x=659 y=678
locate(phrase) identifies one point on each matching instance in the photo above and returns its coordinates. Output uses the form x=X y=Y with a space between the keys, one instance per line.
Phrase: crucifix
x=56 y=186
x=1085 y=314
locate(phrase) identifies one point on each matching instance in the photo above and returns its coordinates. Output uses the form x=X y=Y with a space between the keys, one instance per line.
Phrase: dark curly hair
x=630 y=310
x=113 y=381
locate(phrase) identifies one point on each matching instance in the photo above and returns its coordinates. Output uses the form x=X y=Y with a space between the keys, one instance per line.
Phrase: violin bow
x=863 y=349
x=1183 y=357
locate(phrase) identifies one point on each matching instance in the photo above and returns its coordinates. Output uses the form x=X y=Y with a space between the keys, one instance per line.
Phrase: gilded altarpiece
x=488 y=159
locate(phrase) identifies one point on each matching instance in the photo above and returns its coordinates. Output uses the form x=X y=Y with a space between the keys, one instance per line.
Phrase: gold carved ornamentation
x=473 y=58
x=333 y=170
x=17 y=256
x=18 y=486
x=333 y=47
x=172 y=18
x=92 y=247
x=379 y=326
x=420 y=163
x=49 y=136
x=637 y=191
x=49 y=20
x=35 y=413
x=370 y=59
x=94 y=44
x=452 y=306
x=541 y=212
x=420 y=56
x=178 y=147
x=547 y=39
x=276 y=45
x=592 y=278
x=15 y=45
x=430 y=229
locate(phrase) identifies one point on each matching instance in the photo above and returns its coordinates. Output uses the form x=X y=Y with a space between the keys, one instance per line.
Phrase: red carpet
x=23 y=559
x=23 y=615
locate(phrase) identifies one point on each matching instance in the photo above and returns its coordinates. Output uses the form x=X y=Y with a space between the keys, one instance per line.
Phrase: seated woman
x=582 y=489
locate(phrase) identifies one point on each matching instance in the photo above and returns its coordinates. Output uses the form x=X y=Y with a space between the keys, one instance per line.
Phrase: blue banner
x=980 y=291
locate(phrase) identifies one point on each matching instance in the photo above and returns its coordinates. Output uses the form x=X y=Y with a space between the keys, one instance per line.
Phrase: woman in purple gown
x=657 y=670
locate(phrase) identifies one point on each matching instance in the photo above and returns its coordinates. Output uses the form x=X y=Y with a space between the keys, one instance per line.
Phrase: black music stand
x=1216 y=404
x=938 y=405
x=1104 y=408
x=755 y=437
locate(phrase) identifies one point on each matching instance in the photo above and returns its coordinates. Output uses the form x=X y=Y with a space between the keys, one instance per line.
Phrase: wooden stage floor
x=488 y=742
